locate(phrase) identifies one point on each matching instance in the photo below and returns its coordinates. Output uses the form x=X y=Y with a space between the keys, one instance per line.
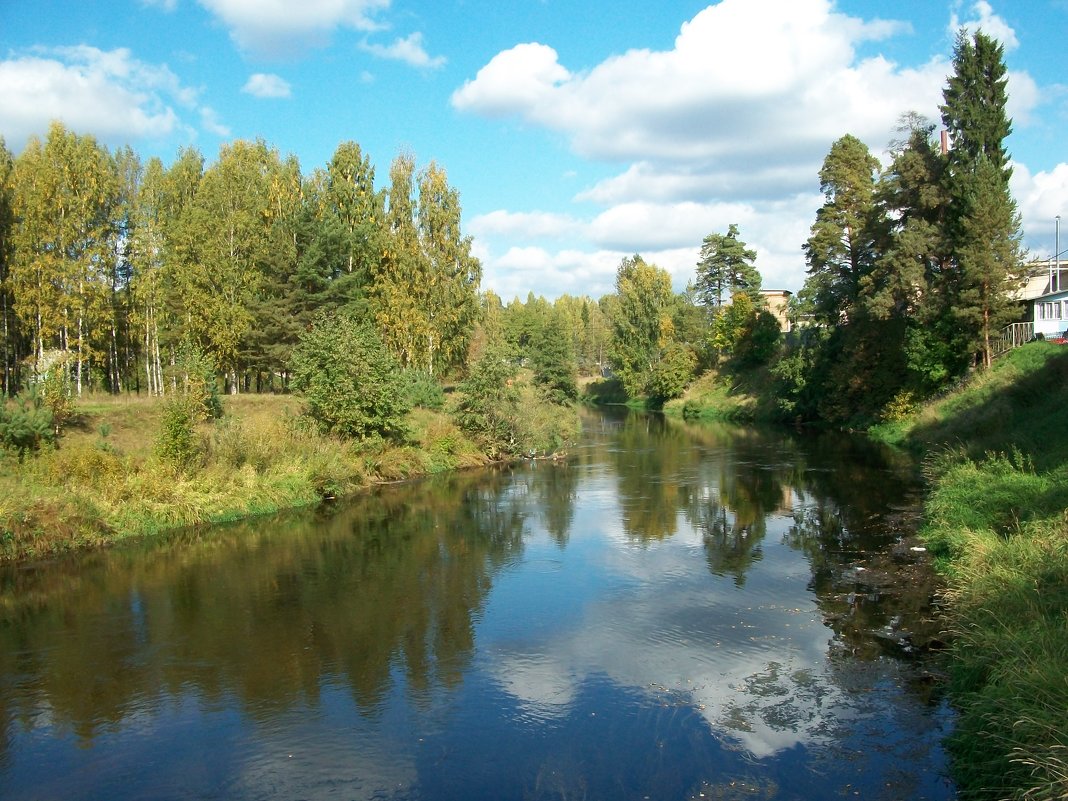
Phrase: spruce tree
x=983 y=228
x=973 y=110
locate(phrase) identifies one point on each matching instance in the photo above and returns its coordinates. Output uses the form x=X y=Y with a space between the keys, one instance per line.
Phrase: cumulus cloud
x=264 y=85
x=108 y=93
x=281 y=27
x=730 y=124
x=1040 y=198
x=581 y=256
x=528 y=225
x=409 y=49
x=748 y=85
x=984 y=20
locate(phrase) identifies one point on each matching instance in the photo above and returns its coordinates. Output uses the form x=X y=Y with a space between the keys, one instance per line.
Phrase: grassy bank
x=997 y=522
x=104 y=483
x=713 y=397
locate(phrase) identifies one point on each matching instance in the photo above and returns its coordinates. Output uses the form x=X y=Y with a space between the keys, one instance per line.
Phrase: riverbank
x=104 y=484
x=996 y=454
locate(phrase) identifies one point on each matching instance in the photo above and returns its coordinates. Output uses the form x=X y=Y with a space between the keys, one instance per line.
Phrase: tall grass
x=997 y=522
x=95 y=489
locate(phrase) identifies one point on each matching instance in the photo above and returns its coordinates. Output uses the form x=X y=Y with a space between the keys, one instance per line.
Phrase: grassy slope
x=103 y=483
x=717 y=396
x=997 y=454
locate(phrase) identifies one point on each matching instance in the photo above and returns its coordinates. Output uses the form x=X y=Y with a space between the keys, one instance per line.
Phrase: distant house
x=1045 y=301
x=777 y=300
x=1050 y=314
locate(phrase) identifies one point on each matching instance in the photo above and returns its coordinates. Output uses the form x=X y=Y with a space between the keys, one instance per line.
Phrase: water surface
x=674 y=612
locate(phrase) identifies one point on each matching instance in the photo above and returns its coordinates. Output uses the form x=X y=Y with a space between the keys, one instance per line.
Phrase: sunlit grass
x=997 y=522
x=103 y=482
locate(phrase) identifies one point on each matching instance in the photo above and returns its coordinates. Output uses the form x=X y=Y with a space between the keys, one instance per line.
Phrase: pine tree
x=840 y=252
x=726 y=267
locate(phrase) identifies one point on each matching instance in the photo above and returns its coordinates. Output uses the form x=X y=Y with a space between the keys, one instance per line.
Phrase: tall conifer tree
x=726 y=266
x=983 y=226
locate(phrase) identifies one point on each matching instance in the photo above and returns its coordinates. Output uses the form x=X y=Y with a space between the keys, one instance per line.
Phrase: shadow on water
x=677 y=610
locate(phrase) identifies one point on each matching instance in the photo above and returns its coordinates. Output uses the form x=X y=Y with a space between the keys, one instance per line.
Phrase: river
x=673 y=612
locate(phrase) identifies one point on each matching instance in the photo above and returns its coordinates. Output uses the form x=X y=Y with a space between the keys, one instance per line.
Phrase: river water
x=673 y=612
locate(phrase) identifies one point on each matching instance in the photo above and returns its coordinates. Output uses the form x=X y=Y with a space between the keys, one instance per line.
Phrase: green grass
x=723 y=397
x=997 y=522
x=103 y=483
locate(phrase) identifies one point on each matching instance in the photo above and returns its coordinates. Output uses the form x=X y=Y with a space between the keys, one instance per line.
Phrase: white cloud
x=107 y=93
x=581 y=257
x=515 y=81
x=209 y=121
x=529 y=225
x=266 y=86
x=985 y=20
x=282 y=27
x=410 y=50
x=730 y=124
x=1040 y=198
x=746 y=85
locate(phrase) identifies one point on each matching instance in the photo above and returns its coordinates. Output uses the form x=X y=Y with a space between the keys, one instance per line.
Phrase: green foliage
x=194 y=399
x=998 y=528
x=422 y=390
x=900 y=408
x=193 y=375
x=553 y=361
x=744 y=334
x=725 y=268
x=643 y=328
x=840 y=252
x=488 y=409
x=974 y=103
x=353 y=387
x=177 y=443
x=56 y=391
x=995 y=521
x=508 y=417
x=672 y=372
x=26 y=424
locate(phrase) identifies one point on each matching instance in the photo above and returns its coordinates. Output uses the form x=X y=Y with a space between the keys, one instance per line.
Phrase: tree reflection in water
x=650 y=616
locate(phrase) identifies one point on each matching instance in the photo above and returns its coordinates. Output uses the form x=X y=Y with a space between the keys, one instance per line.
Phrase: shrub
x=351 y=384
x=194 y=375
x=177 y=443
x=26 y=424
x=669 y=376
x=489 y=404
x=422 y=390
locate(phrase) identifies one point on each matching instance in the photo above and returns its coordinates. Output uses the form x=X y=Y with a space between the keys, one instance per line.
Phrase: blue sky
x=576 y=133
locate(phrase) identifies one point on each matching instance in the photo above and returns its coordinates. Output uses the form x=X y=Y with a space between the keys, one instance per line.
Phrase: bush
x=27 y=424
x=421 y=390
x=669 y=376
x=177 y=443
x=194 y=375
x=352 y=386
x=489 y=404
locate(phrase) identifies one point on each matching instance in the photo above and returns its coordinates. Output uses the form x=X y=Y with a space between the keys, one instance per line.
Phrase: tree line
x=911 y=272
x=109 y=265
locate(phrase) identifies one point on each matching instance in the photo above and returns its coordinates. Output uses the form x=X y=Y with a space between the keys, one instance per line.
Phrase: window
x=1051 y=310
